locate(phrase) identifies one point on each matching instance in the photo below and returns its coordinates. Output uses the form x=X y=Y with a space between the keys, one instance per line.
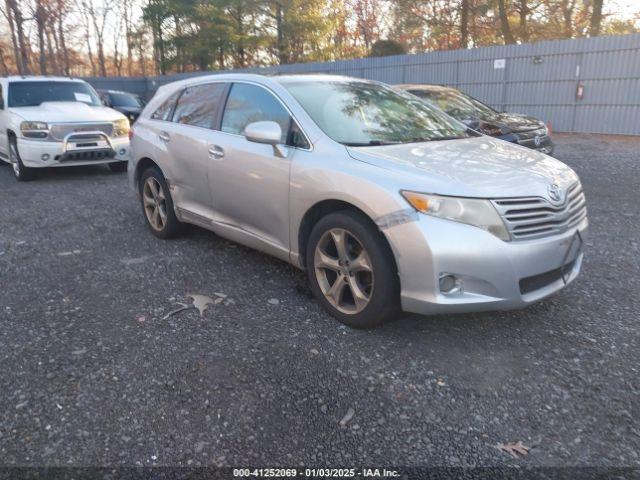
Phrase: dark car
x=512 y=127
x=129 y=104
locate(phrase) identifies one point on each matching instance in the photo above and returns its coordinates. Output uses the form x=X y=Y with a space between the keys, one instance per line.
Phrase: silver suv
x=388 y=203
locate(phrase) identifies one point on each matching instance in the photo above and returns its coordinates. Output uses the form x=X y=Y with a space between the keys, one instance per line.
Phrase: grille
x=535 y=217
x=536 y=282
x=58 y=132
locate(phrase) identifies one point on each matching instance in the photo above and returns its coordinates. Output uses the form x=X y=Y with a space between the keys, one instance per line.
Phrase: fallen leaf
x=273 y=301
x=514 y=448
x=201 y=302
x=347 y=417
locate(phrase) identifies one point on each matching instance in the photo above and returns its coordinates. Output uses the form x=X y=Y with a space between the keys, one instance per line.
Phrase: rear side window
x=198 y=105
x=164 y=111
x=249 y=103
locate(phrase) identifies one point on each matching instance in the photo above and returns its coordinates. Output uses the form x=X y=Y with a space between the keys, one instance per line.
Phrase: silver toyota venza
x=386 y=202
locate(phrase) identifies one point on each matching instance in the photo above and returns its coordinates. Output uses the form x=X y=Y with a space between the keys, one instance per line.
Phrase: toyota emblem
x=537 y=140
x=556 y=193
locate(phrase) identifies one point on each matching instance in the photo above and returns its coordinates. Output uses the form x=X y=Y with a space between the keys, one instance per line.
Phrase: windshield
x=32 y=94
x=125 y=100
x=359 y=113
x=457 y=104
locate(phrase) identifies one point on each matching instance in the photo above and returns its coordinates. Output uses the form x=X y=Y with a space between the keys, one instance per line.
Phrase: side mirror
x=266 y=132
x=263 y=132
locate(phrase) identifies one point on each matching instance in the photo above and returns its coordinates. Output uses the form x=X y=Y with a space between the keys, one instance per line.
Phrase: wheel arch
x=143 y=164
x=322 y=209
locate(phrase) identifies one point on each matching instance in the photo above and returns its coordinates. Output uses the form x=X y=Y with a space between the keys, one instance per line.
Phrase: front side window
x=163 y=112
x=361 y=113
x=249 y=103
x=32 y=94
x=457 y=104
x=198 y=105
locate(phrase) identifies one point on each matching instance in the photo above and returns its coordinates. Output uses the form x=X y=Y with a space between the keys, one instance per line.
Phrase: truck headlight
x=121 y=128
x=34 y=129
x=472 y=211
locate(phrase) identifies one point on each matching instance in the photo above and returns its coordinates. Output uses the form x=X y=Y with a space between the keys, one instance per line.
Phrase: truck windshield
x=32 y=94
x=360 y=113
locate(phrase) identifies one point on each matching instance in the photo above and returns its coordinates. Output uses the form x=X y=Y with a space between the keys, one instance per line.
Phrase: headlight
x=121 y=128
x=34 y=129
x=472 y=211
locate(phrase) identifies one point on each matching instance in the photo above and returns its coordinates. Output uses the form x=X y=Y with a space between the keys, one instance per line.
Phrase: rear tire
x=22 y=173
x=356 y=282
x=118 y=167
x=157 y=204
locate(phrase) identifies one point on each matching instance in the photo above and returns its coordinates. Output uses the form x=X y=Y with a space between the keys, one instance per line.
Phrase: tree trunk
x=14 y=40
x=596 y=18
x=280 y=47
x=464 y=24
x=22 y=39
x=567 y=17
x=40 y=20
x=62 y=39
x=128 y=34
x=523 y=12
x=3 y=64
x=504 y=23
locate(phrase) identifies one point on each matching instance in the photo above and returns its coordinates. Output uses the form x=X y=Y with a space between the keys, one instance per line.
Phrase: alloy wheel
x=155 y=204
x=344 y=271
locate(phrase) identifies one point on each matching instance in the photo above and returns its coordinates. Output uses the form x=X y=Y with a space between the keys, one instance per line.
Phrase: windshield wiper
x=370 y=143
x=447 y=137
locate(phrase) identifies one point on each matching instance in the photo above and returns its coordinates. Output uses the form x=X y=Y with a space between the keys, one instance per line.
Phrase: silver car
x=386 y=202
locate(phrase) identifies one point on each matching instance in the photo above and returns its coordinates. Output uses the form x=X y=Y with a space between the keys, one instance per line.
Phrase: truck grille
x=535 y=217
x=59 y=131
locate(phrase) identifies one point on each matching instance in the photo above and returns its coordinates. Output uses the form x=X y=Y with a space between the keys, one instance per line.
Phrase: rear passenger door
x=187 y=140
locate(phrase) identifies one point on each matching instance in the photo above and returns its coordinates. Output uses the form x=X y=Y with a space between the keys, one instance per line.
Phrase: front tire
x=118 y=167
x=157 y=204
x=352 y=271
x=22 y=173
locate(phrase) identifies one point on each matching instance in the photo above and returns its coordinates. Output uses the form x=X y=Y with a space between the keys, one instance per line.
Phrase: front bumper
x=41 y=154
x=495 y=275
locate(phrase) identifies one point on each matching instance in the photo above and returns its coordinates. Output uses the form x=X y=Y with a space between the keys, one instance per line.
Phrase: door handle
x=216 y=152
x=164 y=136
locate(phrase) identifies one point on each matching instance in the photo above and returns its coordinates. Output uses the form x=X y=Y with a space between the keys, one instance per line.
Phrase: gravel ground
x=92 y=374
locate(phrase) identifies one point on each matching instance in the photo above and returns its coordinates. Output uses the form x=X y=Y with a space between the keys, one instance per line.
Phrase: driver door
x=249 y=182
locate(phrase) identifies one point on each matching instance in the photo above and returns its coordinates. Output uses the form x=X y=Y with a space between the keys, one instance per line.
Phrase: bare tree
x=19 y=39
x=98 y=18
x=62 y=10
x=41 y=18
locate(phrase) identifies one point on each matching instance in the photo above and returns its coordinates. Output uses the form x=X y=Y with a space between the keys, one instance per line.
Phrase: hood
x=513 y=122
x=128 y=110
x=67 y=112
x=482 y=167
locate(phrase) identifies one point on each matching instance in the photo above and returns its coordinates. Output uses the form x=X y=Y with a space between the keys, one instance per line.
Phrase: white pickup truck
x=55 y=122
